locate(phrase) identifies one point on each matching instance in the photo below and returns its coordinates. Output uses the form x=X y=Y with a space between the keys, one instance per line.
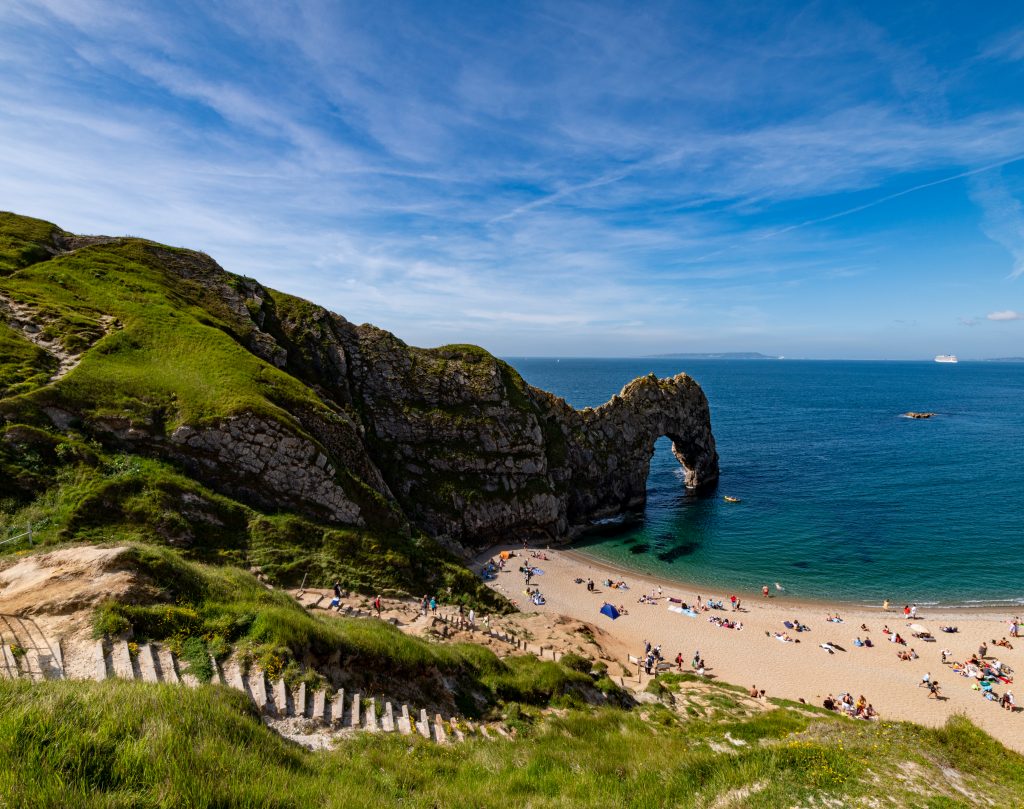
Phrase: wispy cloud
x=1006 y=314
x=1003 y=217
x=554 y=174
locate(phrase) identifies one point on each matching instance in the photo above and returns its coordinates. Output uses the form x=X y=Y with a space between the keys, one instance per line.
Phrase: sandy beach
x=753 y=656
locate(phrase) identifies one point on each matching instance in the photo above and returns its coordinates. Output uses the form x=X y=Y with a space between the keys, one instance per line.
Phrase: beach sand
x=749 y=657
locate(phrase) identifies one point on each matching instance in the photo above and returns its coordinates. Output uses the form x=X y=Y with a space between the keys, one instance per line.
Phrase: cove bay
x=842 y=497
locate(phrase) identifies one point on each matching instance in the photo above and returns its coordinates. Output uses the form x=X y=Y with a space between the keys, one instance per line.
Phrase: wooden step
x=101 y=671
x=371 y=715
x=404 y=722
x=320 y=705
x=122 y=660
x=258 y=688
x=338 y=707
x=147 y=664
x=439 y=734
x=167 y=665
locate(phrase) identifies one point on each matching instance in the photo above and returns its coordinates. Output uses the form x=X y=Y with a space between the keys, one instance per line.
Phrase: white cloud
x=1007 y=314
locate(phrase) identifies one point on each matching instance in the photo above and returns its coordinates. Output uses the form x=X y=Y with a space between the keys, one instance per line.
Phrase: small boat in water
x=729 y=499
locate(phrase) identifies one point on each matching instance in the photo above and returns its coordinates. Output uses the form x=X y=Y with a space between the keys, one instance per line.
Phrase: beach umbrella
x=610 y=611
x=918 y=629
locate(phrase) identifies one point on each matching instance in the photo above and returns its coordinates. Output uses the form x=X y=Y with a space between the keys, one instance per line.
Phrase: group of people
x=855 y=709
x=986 y=675
x=335 y=602
x=725 y=623
x=653 y=660
x=894 y=637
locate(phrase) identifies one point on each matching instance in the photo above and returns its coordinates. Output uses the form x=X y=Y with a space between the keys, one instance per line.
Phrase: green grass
x=177 y=355
x=165 y=346
x=23 y=366
x=221 y=607
x=117 y=744
x=24 y=241
x=93 y=496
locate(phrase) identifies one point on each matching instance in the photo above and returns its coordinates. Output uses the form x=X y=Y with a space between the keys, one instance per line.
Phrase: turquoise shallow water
x=842 y=498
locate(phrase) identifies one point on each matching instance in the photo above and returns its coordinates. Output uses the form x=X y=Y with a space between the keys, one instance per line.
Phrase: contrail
x=872 y=204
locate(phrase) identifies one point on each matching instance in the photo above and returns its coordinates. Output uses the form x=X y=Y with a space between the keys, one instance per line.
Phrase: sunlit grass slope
x=128 y=744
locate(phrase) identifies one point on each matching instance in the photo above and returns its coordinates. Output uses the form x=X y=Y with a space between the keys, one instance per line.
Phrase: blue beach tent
x=610 y=611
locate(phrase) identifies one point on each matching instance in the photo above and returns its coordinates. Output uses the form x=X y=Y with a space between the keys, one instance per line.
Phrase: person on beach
x=679 y=661
x=764 y=591
x=906 y=610
x=982 y=651
x=753 y=691
x=885 y=605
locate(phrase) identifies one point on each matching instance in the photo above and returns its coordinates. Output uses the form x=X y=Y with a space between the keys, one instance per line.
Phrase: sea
x=842 y=497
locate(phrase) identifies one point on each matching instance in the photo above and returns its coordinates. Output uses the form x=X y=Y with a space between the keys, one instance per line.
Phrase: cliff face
x=281 y=404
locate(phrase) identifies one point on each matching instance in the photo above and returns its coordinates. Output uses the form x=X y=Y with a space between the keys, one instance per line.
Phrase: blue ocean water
x=842 y=498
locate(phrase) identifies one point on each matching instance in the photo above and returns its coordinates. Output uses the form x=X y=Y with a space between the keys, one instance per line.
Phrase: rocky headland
x=121 y=345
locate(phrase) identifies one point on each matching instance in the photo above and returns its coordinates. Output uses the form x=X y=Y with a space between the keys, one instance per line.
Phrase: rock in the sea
x=914 y=414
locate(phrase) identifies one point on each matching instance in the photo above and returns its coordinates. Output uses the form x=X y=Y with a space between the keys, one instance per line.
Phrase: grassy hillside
x=201 y=610
x=125 y=366
x=120 y=744
x=166 y=338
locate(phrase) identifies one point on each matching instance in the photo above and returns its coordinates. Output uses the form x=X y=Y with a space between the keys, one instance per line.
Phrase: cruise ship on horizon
x=946 y=358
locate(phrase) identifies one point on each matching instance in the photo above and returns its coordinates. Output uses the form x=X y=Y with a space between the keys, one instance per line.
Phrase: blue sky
x=820 y=180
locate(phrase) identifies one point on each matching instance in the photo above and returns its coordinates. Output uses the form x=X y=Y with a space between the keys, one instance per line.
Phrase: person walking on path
x=433 y=605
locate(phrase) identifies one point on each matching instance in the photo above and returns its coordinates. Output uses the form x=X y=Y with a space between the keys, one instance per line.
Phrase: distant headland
x=724 y=355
